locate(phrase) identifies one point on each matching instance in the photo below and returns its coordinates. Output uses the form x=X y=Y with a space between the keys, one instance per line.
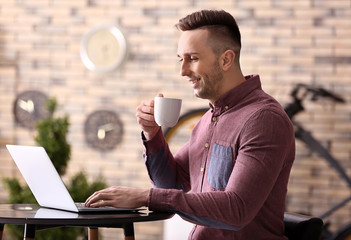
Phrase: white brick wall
x=286 y=42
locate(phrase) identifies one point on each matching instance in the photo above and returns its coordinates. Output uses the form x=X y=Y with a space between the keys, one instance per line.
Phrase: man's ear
x=227 y=59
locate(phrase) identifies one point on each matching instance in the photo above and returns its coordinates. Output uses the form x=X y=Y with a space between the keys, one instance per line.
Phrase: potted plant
x=52 y=135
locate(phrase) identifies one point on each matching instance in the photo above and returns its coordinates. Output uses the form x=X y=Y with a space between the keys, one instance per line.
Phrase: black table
x=35 y=218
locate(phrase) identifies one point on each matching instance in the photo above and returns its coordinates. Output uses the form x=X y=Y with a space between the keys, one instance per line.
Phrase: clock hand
x=27 y=106
x=101 y=134
x=108 y=127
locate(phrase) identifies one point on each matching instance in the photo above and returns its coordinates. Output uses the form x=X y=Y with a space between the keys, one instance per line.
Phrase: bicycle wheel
x=343 y=234
x=180 y=133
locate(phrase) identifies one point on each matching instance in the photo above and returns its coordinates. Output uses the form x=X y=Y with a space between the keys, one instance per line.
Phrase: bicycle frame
x=300 y=133
x=315 y=146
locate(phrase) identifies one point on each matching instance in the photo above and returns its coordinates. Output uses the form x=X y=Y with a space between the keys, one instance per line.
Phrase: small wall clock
x=103 y=130
x=30 y=107
x=103 y=48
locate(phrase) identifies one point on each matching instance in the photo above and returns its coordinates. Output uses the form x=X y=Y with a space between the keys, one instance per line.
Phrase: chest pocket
x=221 y=166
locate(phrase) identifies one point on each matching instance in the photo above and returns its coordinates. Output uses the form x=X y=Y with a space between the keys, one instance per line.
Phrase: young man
x=230 y=179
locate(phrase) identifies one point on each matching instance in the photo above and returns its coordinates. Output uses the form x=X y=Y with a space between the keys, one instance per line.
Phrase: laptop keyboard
x=80 y=205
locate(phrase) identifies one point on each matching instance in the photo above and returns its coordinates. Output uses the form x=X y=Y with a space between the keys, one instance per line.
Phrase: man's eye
x=188 y=59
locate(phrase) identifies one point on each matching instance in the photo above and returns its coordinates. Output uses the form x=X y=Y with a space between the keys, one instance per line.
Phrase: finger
x=146 y=118
x=89 y=199
x=101 y=203
x=146 y=110
x=148 y=102
x=95 y=197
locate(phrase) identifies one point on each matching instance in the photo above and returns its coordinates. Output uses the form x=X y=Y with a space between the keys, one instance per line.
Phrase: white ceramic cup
x=167 y=111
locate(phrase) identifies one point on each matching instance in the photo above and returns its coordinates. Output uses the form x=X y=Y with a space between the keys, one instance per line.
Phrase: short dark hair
x=218 y=22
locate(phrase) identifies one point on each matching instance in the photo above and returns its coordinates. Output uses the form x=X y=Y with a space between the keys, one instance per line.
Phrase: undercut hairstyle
x=223 y=30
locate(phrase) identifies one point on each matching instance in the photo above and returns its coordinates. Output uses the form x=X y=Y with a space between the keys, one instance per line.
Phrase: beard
x=210 y=83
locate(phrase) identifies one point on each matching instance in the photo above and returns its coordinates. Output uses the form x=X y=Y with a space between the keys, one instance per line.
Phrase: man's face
x=199 y=64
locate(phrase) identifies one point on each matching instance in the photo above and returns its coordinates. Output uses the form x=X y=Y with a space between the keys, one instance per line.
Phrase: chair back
x=302 y=227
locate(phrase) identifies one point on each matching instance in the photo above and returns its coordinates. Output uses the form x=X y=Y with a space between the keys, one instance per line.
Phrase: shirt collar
x=235 y=95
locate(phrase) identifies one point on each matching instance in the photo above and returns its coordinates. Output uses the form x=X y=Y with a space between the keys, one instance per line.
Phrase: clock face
x=103 y=48
x=30 y=107
x=103 y=130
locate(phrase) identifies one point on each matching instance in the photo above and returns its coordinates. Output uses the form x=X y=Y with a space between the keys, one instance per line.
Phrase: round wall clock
x=103 y=130
x=30 y=107
x=103 y=48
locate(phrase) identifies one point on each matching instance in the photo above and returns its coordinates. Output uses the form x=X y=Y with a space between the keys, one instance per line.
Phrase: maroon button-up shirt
x=230 y=179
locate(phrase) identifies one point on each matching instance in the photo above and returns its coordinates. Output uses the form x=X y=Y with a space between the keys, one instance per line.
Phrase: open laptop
x=45 y=182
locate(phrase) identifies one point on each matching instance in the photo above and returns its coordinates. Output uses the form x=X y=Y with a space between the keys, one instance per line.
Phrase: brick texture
x=286 y=42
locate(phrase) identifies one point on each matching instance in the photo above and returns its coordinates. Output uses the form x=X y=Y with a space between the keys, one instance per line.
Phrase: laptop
x=46 y=184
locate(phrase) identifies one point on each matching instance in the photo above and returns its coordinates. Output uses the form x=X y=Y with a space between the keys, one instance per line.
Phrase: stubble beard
x=210 y=84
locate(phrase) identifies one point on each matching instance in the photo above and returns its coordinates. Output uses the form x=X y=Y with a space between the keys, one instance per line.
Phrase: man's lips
x=193 y=81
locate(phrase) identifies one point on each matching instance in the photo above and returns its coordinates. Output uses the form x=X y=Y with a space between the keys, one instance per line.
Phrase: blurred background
x=61 y=49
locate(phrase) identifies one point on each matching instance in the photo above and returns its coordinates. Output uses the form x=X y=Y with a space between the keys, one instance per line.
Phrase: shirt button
x=202 y=169
x=214 y=119
x=207 y=145
x=226 y=107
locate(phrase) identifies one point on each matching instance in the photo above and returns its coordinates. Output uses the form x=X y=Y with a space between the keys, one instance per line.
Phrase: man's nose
x=184 y=69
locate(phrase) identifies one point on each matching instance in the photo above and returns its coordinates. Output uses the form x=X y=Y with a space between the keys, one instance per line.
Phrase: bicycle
x=299 y=93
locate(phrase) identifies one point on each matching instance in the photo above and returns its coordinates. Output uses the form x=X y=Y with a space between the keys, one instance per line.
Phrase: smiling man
x=230 y=179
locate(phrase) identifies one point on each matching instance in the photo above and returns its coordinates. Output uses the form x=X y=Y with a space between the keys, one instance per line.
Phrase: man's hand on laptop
x=120 y=197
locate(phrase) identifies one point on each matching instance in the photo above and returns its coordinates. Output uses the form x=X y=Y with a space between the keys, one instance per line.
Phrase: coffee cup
x=167 y=111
